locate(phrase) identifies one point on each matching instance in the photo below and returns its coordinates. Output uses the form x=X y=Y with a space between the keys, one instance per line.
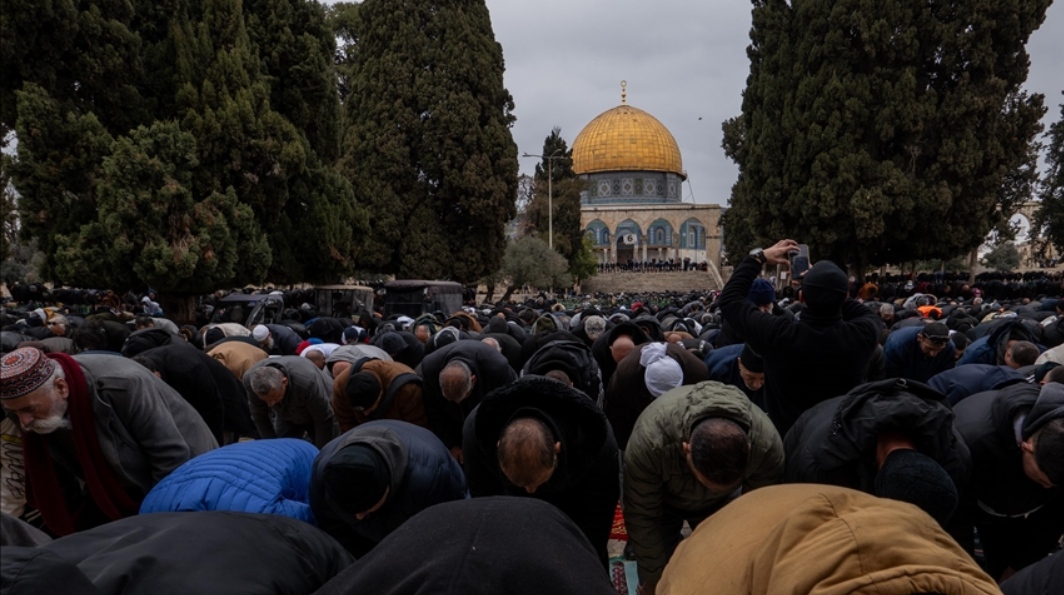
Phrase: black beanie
x=825 y=287
x=916 y=478
x=213 y=336
x=751 y=360
x=356 y=477
x=363 y=390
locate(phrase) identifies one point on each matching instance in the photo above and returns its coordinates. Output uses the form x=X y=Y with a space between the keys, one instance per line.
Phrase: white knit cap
x=260 y=332
x=662 y=372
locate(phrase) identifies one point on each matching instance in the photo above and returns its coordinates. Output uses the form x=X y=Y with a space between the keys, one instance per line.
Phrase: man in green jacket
x=693 y=450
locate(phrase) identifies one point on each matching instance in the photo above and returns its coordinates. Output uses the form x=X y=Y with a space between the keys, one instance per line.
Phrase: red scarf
x=42 y=484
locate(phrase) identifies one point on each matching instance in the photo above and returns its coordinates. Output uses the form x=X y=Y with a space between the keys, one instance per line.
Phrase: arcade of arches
x=647 y=232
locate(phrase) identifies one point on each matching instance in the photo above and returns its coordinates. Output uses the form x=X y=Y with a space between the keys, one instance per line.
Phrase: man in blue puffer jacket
x=264 y=476
x=371 y=479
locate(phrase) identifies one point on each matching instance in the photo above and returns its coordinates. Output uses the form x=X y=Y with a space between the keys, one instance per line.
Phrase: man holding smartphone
x=820 y=356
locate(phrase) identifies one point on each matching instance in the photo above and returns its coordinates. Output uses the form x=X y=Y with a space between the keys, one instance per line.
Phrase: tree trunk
x=509 y=291
x=489 y=292
x=179 y=308
x=973 y=259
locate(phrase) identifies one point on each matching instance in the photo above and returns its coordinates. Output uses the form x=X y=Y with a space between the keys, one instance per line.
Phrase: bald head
x=316 y=357
x=457 y=381
x=621 y=347
x=527 y=453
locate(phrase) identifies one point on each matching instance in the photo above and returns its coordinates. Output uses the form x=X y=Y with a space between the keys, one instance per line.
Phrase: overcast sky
x=685 y=63
x=684 y=60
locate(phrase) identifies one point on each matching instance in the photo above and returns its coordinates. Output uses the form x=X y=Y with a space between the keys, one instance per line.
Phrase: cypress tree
x=428 y=142
x=247 y=194
x=885 y=131
x=55 y=171
x=1050 y=216
x=155 y=228
x=566 y=187
x=82 y=53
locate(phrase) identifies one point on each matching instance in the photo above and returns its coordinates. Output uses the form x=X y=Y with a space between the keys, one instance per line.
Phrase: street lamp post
x=550 y=191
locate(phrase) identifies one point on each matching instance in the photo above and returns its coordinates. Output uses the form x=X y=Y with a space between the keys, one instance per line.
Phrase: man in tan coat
x=821 y=540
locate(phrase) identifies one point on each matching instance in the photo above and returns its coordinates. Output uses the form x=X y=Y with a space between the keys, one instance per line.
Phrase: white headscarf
x=662 y=372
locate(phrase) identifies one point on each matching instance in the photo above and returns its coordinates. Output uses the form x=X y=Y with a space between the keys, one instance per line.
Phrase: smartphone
x=799 y=261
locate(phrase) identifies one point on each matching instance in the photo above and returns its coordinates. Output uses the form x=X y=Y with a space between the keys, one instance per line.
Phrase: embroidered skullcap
x=23 y=371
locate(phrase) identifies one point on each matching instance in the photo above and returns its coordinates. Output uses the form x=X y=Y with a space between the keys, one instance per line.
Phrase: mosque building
x=633 y=206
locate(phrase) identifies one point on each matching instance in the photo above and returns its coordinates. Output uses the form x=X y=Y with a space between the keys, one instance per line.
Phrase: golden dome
x=626 y=138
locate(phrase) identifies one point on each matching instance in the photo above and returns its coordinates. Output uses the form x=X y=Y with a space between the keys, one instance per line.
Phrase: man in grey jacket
x=101 y=431
x=289 y=397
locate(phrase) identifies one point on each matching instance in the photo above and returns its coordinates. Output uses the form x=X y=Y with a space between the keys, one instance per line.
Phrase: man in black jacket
x=540 y=438
x=893 y=438
x=482 y=546
x=457 y=376
x=1016 y=438
x=823 y=354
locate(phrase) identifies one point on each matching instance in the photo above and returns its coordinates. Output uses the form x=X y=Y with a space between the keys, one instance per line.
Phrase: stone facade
x=653 y=231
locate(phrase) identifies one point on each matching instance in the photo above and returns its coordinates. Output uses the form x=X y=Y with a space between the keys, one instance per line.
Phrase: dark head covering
x=475 y=553
x=363 y=390
x=392 y=342
x=916 y=478
x=936 y=331
x=825 y=287
x=213 y=336
x=751 y=360
x=356 y=478
x=761 y=292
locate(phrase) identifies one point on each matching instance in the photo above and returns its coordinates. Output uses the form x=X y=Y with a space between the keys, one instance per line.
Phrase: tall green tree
x=566 y=188
x=1049 y=220
x=883 y=131
x=296 y=47
x=202 y=73
x=342 y=18
x=428 y=143
x=155 y=228
x=55 y=172
x=82 y=53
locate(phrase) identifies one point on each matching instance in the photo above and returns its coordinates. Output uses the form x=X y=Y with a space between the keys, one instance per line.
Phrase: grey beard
x=48 y=424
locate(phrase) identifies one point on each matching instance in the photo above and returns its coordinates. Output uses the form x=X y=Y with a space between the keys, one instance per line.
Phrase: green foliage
x=55 y=172
x=81 y=52
x=428 y=141
x=882 y=132
x=529 y=261
x=152 y=229
x=1004 y=257
x=566 y=189
x=249 y=91
x=1049 y=219
x=342 y=19
x=297 y=47
x=584 y=265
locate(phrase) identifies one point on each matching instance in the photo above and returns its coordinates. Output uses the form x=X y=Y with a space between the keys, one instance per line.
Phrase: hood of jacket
x=1048 y=406
x=894 y=405
x=573 y=418
x=822 y=540
x=473 y=552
